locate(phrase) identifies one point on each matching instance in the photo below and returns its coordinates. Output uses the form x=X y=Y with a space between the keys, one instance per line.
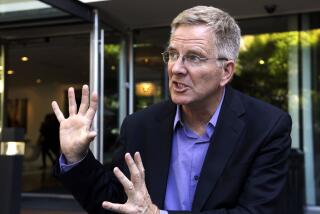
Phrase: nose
x=178 y=66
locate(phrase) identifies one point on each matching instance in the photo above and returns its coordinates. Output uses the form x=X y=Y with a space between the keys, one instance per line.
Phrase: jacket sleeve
x=91 y=183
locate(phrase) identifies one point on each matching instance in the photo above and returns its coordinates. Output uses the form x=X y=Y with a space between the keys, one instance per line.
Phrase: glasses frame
x=165 y=55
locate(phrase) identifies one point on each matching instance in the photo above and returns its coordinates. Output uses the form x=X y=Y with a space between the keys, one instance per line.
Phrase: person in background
x=209 y=149
x=49 y=139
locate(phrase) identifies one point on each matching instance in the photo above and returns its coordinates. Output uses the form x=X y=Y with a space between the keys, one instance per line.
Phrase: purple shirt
x=64 y=166
x=188 y=153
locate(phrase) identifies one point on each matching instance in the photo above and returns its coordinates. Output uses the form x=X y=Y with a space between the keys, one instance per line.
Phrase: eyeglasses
x=188 y=59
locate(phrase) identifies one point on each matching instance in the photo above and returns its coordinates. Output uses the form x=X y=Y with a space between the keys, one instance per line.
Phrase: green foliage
x=266 y=61
x=263 y=66
x=112 y=50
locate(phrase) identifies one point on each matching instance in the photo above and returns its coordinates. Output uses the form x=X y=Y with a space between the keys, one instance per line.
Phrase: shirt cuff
x=64 y=166
x=163 y=212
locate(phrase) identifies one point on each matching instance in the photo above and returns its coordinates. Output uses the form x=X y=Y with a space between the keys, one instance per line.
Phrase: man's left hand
x=139 y=201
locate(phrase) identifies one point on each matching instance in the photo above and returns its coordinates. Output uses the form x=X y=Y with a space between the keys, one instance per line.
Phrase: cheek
x=202 y=78
x=205 y=81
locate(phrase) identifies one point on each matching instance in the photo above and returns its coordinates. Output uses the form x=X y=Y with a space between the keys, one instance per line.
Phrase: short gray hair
x=226 y=30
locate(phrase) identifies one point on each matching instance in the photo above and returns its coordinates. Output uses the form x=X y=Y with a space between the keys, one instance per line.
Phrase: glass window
x=267 y=66
x=311 y=45
x=112 y=49
x=150 y=76
x=279 y=64
x=262 y=69
x=38 y=71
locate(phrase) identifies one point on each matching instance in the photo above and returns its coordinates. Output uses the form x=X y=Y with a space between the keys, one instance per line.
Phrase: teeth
x=180 y=85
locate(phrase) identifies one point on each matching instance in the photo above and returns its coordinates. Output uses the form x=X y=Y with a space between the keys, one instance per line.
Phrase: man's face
x=191 y=84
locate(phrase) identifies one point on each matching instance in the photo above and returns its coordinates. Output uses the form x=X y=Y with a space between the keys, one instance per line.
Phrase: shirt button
x=196 y=177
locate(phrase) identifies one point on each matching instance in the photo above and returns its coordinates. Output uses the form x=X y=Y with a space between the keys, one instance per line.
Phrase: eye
x=193 y=58
x=173 y=55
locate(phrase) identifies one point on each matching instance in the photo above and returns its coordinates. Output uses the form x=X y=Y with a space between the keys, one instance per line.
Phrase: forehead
x=192 y=35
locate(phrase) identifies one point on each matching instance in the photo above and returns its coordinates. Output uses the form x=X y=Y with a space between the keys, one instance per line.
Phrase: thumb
x=92 y=135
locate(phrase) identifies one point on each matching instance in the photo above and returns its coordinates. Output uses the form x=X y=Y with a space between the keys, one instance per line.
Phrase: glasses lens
x=165 y=57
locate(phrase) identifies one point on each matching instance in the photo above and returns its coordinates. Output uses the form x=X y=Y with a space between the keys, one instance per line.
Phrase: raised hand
x=139 y=201
x=75 y=133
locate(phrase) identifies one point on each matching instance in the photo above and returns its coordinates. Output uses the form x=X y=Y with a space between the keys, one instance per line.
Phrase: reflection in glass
x=111 y=97
x=59 y=62
x=311 y=42
x=268 y=64
x=262 y=69
x=145 y=89
x=150 y=75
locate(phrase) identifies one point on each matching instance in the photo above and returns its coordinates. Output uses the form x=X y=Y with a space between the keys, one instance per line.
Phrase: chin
x=180 y=100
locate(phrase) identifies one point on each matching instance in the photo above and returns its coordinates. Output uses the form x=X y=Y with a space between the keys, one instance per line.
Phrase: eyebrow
x=191 y=51
x=169 y=48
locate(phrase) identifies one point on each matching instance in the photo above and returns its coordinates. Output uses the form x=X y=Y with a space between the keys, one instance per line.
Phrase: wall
x=39 y=103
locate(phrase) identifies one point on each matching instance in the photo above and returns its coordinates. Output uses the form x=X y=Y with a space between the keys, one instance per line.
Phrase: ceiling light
x=24 y=59
x=10 y=72
x=38 y=81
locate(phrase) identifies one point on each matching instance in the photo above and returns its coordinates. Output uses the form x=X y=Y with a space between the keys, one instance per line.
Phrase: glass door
x=47 y=51
x=40 y=70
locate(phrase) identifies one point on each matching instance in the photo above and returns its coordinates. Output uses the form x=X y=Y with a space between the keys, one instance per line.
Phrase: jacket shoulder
x=257 y=106
x=260 y=115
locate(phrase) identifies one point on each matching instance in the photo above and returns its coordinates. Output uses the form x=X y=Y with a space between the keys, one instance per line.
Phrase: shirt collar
x=212 y=121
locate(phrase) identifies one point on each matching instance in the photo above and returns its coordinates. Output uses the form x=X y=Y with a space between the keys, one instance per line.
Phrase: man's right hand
x=75 y=133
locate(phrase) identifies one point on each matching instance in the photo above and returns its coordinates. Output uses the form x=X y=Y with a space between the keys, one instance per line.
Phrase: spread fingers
x=57 y=111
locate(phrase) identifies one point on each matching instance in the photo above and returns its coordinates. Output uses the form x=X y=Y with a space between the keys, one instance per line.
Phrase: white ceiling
x=146 y=13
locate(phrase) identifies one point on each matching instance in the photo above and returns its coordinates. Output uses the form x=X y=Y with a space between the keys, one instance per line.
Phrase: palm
x=139 y=200
x=75 y=134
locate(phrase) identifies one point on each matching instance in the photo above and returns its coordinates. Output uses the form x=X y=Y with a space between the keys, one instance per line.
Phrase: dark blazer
x=244 y=169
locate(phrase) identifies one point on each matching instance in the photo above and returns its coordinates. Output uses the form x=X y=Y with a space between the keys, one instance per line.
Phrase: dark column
x=296 y=183
x=10 y=183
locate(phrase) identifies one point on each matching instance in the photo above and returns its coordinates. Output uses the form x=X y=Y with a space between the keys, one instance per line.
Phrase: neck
x=197 y=116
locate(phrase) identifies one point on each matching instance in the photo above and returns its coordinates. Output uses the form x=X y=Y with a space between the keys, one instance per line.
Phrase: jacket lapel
x=224 y=139
x=160 y=153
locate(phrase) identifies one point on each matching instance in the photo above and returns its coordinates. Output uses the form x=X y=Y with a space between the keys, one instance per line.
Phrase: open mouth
x=179 y=87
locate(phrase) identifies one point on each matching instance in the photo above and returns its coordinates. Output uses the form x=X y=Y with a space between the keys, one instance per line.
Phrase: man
x=209 y=149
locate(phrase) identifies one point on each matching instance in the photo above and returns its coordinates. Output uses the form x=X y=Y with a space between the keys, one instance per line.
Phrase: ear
x=228 y=70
